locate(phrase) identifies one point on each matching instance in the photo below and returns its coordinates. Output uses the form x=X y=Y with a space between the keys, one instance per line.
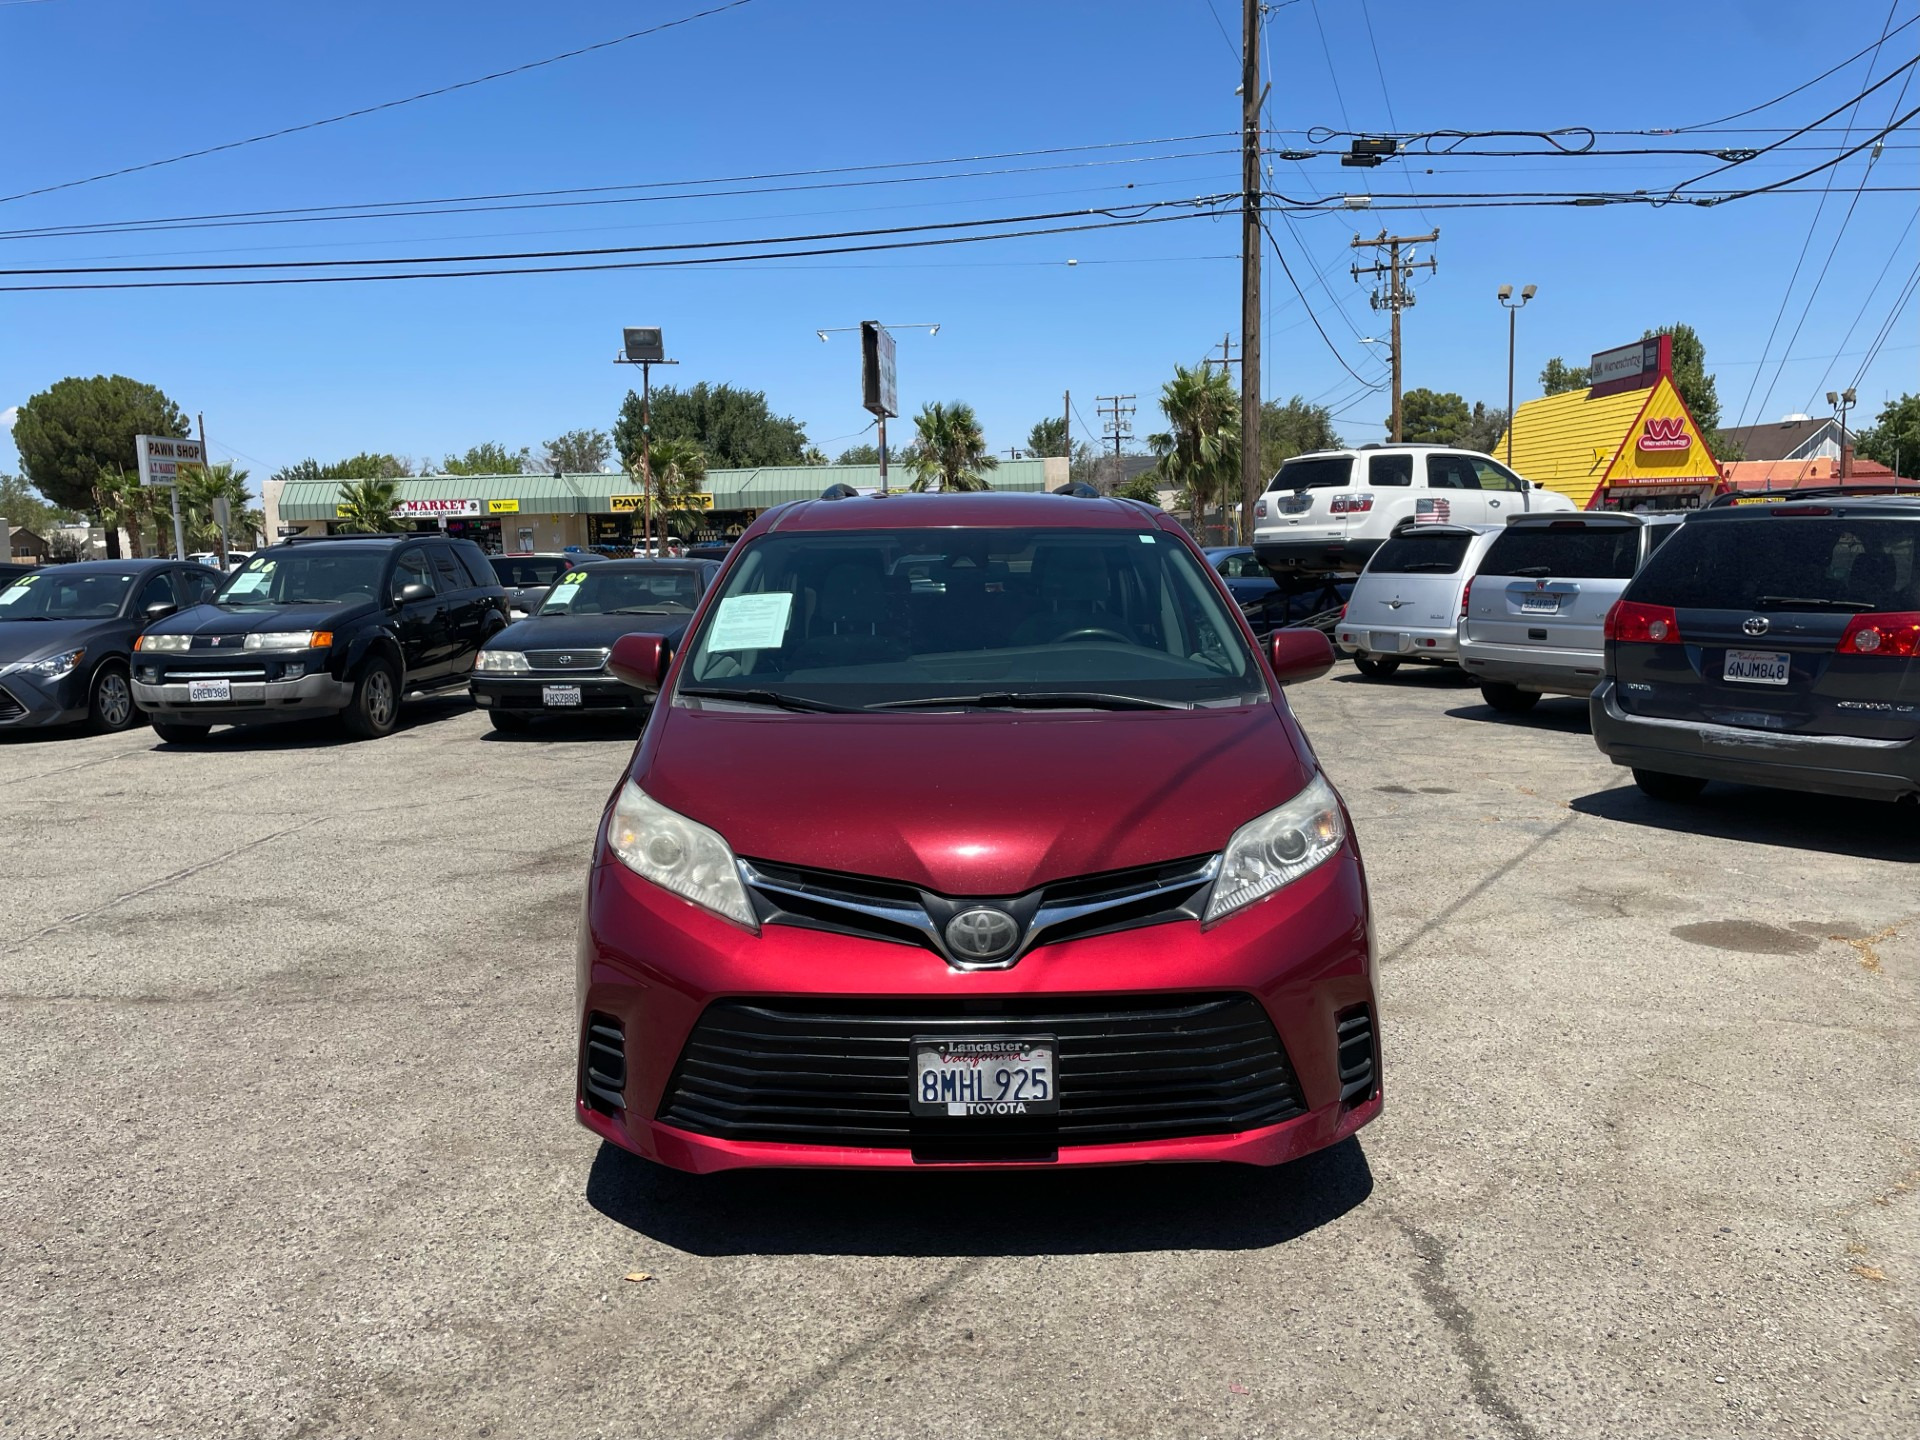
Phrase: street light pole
x=1513 y=308
x=1842 y=402
x=644 y=347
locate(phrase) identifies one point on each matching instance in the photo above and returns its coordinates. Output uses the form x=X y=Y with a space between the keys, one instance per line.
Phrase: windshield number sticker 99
x=985 y=1076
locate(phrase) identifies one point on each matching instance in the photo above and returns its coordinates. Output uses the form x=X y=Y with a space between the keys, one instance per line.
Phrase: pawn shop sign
x=161 y=457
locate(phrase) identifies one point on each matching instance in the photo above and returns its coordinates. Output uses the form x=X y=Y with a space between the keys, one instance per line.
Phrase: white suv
x=1332 y=509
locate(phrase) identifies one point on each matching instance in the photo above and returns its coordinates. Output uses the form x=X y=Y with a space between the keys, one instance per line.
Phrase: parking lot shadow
x=1416 y=677
x=936 y=1212
x=1566 y=714
x=1862 y=829
x=320 y=734
x=620 y=728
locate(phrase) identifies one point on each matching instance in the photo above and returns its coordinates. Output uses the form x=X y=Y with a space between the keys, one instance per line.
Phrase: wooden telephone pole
x=1252 y=482
x=1397 y=296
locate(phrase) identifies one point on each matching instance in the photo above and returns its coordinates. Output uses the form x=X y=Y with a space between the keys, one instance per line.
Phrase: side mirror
x=160 y=610
x=1299 y=655
x=415 y=591
x=642 y=661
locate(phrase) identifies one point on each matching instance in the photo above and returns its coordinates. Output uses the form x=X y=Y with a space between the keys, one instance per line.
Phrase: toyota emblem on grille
x=1755 y=624
x=982 y=934
x=566 y=660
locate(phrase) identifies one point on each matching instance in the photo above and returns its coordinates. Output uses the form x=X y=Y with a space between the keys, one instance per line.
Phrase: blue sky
x=778 y=85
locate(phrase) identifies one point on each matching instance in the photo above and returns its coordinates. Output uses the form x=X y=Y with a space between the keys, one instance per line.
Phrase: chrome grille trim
x=582 y=660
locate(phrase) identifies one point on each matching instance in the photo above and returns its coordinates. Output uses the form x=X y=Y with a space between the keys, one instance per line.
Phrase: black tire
x=508 y=723
x=176 y=732
x=375 y=707
x=110 y=706
x=1375 y=669
x=1510 y=699
x=1658 y=785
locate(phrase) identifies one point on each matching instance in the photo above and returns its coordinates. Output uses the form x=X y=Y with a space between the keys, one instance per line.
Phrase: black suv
x=343 y=626
x=1772 y=644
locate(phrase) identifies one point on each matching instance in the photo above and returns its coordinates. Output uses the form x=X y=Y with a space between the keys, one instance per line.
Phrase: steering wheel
x=1092 y=632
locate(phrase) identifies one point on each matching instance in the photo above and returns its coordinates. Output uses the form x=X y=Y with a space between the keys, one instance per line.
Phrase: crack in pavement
x=1499 y=872
x=79 y=917
x=1431 y=1279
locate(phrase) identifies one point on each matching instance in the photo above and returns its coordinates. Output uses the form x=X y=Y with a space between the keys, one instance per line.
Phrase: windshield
x=606 y=590
x=293 y=577
x=1113 y=618
x=529 y=569
x=1785 y=562
x=1418 y=554
x=91 y=595
x=1321 y=474
x=1566 y=550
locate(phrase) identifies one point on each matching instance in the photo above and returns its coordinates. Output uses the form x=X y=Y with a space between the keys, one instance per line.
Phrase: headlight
x=1278 y=848
x=678 y=854
x=145 y=643
x=508 y=661
x=54 y=667
x=289 y=640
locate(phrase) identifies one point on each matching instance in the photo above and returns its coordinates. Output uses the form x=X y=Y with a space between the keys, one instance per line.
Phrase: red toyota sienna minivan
x=973 y=829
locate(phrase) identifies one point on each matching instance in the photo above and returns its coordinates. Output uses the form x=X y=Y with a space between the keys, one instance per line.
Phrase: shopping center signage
x=161 y=457
x=439 y=509
x=1639 y=361
x=632 y=504
x=1664 y=434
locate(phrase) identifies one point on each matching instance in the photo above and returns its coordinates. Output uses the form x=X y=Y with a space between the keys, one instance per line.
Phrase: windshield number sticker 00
x=985 y=1076
x=18 y=591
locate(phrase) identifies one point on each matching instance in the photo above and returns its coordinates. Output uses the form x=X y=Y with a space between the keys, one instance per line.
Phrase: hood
x=559 y=632
x=238 y=620
x=973 y=804
x=32 y=639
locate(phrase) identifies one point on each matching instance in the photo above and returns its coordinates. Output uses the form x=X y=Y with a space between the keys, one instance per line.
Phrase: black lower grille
x=1353 y=1035
x=10 y=708
x=836 y=1072
x=604 y=1064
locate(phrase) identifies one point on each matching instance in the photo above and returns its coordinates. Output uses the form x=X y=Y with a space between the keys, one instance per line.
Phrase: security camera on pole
x=645 y=348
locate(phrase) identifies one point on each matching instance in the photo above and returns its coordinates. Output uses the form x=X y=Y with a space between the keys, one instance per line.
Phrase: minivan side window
x=1390 y=470
x=451 y=576
x=411 y=569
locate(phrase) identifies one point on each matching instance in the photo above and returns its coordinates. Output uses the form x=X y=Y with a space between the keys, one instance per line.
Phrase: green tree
x=121 y=502
x=200 y=489
x=859 y=455
x=950 y=450
x=1484 y=429
x=1429 y=417
x=367 y=505
x=22 y=505
x=367 y=465
x=1049 y=437
x=1559 y=376
x=1141 y=487
x=1200 y=448
x=77 y=432
x=1293 y=427
x=679 y=471
x=1895 y=439
x=733 y=428
x=576 y=452
x=488 y=459
x=813 y=455
x=1697 y=387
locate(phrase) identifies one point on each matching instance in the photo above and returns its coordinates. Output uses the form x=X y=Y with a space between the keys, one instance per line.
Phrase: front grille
x=603 y=1064
x=568 y=661
x=836 y=1072
x=1353 y=1036
x=905 y=914
x=10 y=708
x=181 y=674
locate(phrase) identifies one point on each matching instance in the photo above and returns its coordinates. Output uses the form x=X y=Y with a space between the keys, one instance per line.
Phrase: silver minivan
x=1406 y=603
x=1534 y=618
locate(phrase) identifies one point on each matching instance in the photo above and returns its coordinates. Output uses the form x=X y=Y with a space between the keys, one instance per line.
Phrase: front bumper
x=526 y=695
x=654 y=964
x=1551 y=672
x=1819 y=764
x=1333 y=553
x=251 y=702
x=26 y=702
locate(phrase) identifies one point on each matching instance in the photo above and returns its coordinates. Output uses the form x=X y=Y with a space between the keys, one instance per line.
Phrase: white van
x=1406 y=603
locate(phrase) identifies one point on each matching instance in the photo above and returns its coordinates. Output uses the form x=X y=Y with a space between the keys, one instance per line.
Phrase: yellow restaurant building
x=1626 y=443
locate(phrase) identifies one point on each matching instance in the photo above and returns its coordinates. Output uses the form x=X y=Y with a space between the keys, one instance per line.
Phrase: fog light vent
x=605 y=1064
x=1353 y=1036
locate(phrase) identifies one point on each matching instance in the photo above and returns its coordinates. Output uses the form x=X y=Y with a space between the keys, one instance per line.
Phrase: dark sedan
x=555 y=662
x=1269 y=604
x=528 y=577
x=67 y=633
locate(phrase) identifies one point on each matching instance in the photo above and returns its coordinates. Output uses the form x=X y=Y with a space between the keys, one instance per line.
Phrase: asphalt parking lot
x=289 y=1147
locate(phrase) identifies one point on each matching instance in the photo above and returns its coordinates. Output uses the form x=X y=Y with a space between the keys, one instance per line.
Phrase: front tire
x=1375 y=669
x=110 y=706
x=1510 y=699
x=176 y=732
x=1658 y=785
x=375 y=707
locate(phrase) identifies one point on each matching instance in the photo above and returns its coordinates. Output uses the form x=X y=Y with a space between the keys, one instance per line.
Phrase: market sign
x=1664 y=434
x=161 y=457
x=439 y=509
x=503 y=507
x=1626 y=366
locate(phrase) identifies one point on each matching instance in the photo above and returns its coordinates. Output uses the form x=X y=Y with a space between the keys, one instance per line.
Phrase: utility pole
x=1397 y=296
x=1066 y=419
x=1119 y=417
x=1251 y=235
x=1227 y=357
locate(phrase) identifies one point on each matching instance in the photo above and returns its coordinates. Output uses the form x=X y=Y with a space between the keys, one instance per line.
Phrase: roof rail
x=1812 y=492
x=839 y=490
x=1080 y=489
x=388 y=535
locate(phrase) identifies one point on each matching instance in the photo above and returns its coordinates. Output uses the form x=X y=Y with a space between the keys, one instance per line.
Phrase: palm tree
x=679 y=470
x=1200 y=450
x=367 y=505
x=950 y=449
x=124 y=504
x=200 y=489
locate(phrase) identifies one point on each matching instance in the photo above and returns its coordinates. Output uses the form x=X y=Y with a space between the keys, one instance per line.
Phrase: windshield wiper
x=766 y=697
x=644 y=610
x=1531 y=571
x=1817 y=601
x=1037 y=700
x=1442 y=565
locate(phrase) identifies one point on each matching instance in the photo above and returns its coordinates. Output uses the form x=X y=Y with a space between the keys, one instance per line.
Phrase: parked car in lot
x=709 y=549
x=1773 y=644
x=346 y=626
x=10 y=572
x=528 y=577
x=1406 y=604
x=1331 y=509
x=67 y=635
x=1295 y=598
x=973 y=829
x=1534 y=616
x=555 y=662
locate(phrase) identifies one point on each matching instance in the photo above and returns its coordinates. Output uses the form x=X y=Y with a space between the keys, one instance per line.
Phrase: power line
x=1886 y=327
x=1288 y=271
x=1899 y=248
x=1885 y=36
x=1332 y=74
x=384 y=105
x=1386 y=92
x=1827 y=165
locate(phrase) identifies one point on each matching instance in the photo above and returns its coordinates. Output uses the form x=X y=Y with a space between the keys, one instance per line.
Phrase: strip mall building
x=507 y=513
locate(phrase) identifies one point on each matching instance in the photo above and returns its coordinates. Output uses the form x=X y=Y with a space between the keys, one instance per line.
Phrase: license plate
x=209 y=690
x=1296 y=504
x=560 y=694
x=1540 y=604
x=1758 y=667
x=984 y=1075
x=1387 y=641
